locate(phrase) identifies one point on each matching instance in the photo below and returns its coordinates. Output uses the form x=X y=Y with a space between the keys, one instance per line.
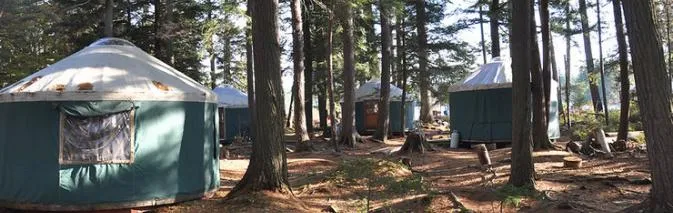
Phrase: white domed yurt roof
x=108 y=69
x=230 y=97
x=496 y=74
x=371 y=91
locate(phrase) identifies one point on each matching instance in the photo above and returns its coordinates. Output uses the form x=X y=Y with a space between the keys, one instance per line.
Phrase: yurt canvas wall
x=108 y=127
x=481 y=105
x=366 y=108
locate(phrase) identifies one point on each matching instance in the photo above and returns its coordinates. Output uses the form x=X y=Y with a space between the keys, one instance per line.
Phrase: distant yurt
x=109 y=127
x=481 y=105
x=234 y=115
x=366 y=108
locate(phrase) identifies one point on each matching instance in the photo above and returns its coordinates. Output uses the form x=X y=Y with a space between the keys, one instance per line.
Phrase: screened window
x=97 y=139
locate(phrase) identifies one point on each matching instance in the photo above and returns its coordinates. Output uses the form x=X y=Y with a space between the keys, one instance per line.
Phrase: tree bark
x=249 y=66
x=386 y=44
x=546 y=56
x=423 y=75
x=624 y=99
x=308 y=63
x=600 y=61
x=654 y=98
x=522 y=174
x=399 y=33
x=403 y=70
x=109 y=9
x=669 y=41
x=494 y=13
x=481 y=29
x=593 y=86
x=539 y=89
x=349 y=135
x=298 y=59
x=330 y=78
x=268 y=162
x=568 y=36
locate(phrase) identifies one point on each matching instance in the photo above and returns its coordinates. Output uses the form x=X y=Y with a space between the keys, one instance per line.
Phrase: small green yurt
x=234 y=114
x=481 y=105
x=109 y=127
x=366 y=108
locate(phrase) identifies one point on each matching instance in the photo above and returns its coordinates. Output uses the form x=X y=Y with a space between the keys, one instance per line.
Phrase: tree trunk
x=386 y=44
x=109 y=9
x=567 y=62
x=403 y=71
x=349 y=135
x=415 y=142
x=250 y=73
x=600 y=61
x=268 y=161
x=211 y=51
x=159 y=46
x=330 y=78
x=298 y=59
x=481 y=29
x=322 y=100
x=423 y=74
x=522 y=174
x=538 y=88
x=546 y=56
x=593 y=86
x=494 y=13
x=308 y=63
x=654 y=98
x=669 y=41
x=624 y=99
x=399 y=32
x=555 y=77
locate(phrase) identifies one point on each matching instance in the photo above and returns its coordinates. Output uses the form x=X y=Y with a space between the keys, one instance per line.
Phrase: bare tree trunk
x=298 y=59
x=250 y=71
x=600 y=61
x=669 y=41
x=403 y=70
x=546 y=56
x=109 y=9
x=654 y=98
x=211 y=52
x=555 y=77
x=308 y=63
x=538 y=88
x=423 y=74
x=349 y=135
x=330 y=78
x=522 y=174
x=593 y=86
x=494 y=13
x=386 y=44
x=481 y=28
x=399 y=32
x=268 y=162
x=624 y=99
x=567 y=63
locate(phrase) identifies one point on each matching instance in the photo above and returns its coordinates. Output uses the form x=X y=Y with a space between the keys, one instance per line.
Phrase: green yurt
x=109 y=127
x=366 y=108
x=234 y=114
x=481 y=105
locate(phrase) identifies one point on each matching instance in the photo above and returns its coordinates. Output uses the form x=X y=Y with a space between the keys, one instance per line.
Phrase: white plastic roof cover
x=230 y=97
x=496 y=74
x=371 y=90
x=108 y=69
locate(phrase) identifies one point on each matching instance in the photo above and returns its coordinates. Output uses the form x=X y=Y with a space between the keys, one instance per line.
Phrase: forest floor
x=326 y=181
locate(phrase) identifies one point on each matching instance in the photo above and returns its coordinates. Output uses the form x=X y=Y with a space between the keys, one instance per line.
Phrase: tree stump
x=415 y=143
x=572 y=162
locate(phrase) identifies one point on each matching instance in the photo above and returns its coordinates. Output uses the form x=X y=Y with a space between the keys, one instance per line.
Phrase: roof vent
x=112 y=41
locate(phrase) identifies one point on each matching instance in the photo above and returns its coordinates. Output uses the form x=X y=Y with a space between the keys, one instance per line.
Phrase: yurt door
x=371 y=114
x=222 y=127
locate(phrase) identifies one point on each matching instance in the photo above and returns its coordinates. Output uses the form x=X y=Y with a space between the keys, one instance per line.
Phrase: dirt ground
x=601 y=185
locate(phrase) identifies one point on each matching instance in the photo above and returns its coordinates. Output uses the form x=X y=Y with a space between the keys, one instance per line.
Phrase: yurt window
x=97 y=139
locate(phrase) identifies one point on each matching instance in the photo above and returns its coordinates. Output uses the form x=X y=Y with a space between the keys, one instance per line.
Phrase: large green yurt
x=481 y=105
x=109 y=127
x=366 y=108
x=234 y=114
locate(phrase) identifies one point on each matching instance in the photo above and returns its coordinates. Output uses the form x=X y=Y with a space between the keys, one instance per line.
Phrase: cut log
x=482 y=152
x=600 y=137
x=415 y=143
x=572 y=162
